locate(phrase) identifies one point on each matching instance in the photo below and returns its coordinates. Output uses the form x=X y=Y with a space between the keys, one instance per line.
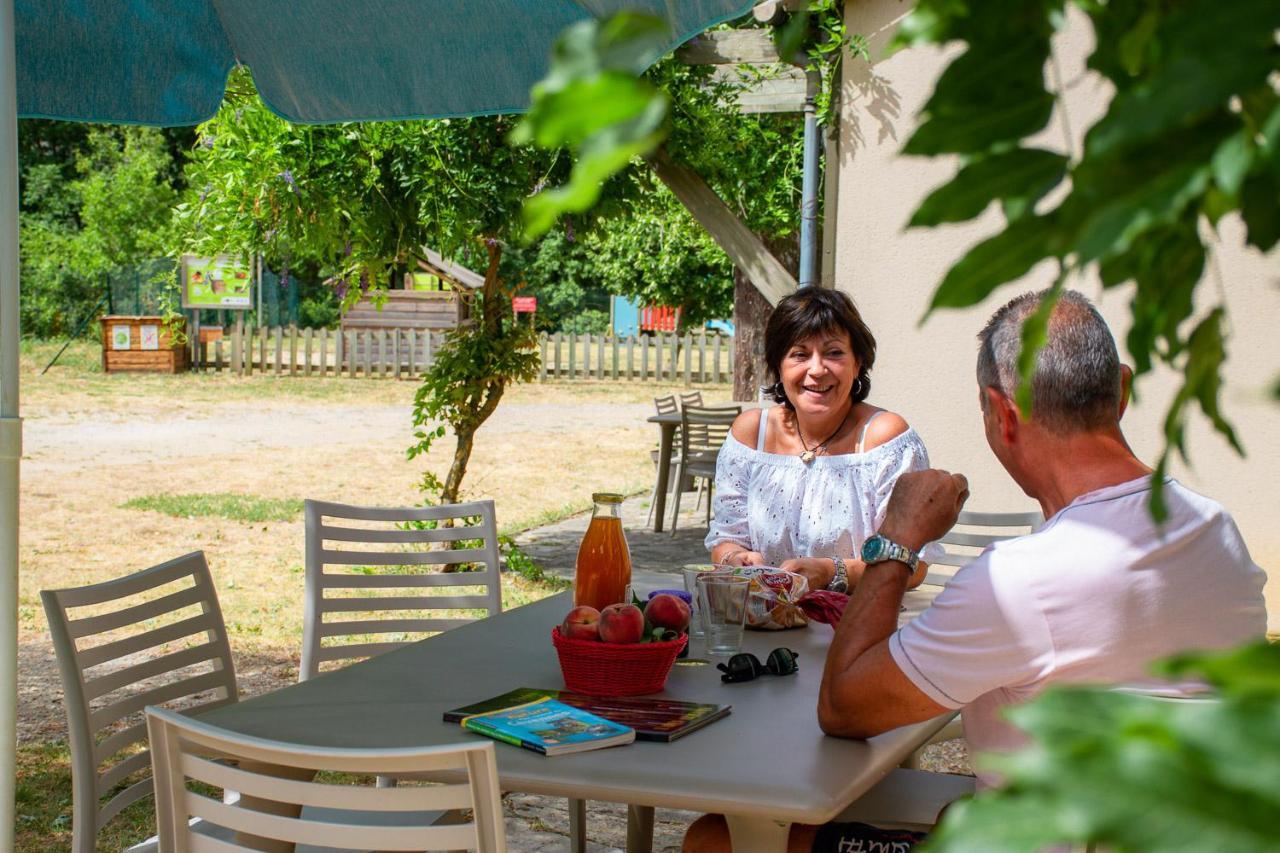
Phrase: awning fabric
x=165 y=62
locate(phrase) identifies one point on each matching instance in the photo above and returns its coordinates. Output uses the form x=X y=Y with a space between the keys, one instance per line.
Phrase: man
x=1095 y=594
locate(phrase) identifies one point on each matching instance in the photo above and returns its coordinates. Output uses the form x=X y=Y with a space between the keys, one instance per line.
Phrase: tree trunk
x=750 y=314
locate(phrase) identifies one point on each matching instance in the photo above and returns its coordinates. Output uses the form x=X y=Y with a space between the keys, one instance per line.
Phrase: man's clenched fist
x=924 y=505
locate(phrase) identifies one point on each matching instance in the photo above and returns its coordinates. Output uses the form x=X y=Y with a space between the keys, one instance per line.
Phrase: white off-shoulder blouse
x=775 y=504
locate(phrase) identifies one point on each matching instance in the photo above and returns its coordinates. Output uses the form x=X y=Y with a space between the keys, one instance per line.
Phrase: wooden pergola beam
x=739 y=242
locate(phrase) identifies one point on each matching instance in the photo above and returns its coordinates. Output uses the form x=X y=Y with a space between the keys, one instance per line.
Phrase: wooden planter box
x=140 y=344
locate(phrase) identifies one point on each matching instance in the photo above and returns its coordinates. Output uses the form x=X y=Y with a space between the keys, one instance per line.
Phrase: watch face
x=873 y=549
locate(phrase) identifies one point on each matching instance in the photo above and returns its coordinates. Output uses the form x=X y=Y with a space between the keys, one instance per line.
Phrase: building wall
x=926 y=371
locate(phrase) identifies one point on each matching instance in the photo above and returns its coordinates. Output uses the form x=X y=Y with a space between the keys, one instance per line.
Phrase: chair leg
x=701 y=485
x=675 y=503
x=577 y=826
x=653 y=498
x=710 y=487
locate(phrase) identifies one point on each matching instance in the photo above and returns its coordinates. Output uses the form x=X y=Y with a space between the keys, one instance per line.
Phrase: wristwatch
x=878 y=549
x=840 y=582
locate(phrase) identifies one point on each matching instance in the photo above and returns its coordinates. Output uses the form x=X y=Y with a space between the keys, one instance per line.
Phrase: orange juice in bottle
x=603 y=571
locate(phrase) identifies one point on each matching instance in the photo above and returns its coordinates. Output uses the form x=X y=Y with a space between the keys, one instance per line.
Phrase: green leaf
x=1023 y=174
x=1252 y=670
x=1260 y=207
x=1232 y=161
x=994 y=261
x=1035 y=331
x=983 y=100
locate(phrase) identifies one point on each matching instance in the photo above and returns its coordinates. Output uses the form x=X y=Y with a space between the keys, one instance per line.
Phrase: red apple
x=621 y=623
x=582 y=623
x=668 y=611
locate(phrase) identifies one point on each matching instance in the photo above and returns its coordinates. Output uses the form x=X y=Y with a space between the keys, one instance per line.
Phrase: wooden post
x=613 y=342
x=395 y=352
x=600 y=358
x=306 y=351
x=688 y=358
x=542 y=357
x=413 y=353
x=262 y=349
x=279 y=336
x=557 y=349
x=586 y=356
x=675 y=357
x=217 y=355
x=573 y=351
x=237 y=335
x=339 y=350
x=644 y=358
x=430 y=357
x=365 y=345
x=293 y=349
x=324 y=352
x=631 y=357
x=702 y=355
x=716 y=359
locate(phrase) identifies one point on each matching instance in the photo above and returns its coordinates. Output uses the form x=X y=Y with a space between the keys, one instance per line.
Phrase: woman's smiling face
x=818 y=373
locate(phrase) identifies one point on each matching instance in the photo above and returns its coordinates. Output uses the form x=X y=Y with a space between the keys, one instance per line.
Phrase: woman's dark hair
x=811 y=311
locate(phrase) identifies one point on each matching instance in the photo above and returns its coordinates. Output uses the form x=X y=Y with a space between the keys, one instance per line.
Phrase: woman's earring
x=857 y=386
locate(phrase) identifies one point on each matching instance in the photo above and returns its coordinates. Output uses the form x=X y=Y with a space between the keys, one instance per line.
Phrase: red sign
x=524 y=304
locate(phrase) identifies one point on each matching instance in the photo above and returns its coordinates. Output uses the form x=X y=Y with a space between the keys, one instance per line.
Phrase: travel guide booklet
x=661 y=720
x=549 y=727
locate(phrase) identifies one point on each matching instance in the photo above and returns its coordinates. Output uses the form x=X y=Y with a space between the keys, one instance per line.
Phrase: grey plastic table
x=667 y=423
x=764 y=766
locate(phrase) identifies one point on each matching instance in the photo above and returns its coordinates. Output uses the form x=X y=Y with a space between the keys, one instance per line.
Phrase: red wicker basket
x=615 y=669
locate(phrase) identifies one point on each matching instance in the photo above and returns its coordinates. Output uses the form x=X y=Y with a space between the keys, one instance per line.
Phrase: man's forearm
x=869 y=618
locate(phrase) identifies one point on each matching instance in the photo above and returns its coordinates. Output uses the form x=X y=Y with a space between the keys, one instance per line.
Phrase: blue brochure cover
x=550 y=727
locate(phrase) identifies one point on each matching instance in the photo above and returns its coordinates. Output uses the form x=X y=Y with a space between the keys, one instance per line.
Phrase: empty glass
x=691 y=574
x=722 y=598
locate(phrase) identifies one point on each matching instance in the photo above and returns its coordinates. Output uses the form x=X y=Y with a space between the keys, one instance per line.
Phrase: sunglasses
x=745 y=666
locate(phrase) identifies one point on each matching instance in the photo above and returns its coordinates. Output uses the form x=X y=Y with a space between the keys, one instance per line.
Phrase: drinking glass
x=691 y=574
x=722 y=598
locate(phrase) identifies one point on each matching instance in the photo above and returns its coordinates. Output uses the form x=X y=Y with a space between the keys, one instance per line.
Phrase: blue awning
x=165 y=62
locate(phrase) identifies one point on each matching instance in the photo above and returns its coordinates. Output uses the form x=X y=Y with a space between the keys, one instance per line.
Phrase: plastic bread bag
x=779 y=599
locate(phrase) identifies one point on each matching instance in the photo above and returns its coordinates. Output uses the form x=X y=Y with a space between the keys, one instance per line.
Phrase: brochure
x=549 y=727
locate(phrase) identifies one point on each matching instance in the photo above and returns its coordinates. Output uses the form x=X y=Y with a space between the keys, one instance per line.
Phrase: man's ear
x=1004 y=411
x=1126 y=389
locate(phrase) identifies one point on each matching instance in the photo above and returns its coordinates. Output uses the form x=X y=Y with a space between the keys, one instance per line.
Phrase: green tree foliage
x=361 y=201
x=1127 y=772
x=1192 y=134
x=95 y=200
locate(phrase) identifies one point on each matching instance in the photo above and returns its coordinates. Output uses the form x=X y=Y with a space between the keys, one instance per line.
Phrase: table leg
x=757 y=835
x=578 y=826
x=639 y=829
x=664 y=475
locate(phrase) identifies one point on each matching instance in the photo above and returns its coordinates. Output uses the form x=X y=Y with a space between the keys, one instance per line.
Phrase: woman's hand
x=818 y=571
x=739 y=558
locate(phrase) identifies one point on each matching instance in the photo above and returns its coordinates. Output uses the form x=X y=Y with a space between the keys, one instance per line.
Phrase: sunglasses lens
x=782 y=662
x=741 y=667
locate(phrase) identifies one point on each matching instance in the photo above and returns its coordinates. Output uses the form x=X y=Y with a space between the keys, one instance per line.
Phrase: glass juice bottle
x=603 y=572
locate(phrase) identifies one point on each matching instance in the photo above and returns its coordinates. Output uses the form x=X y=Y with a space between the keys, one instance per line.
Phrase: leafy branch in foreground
x=1134 y=773
x=1191 y=135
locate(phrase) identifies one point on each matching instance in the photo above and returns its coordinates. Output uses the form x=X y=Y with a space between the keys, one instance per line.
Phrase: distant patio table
x=667 y=423
x=764 y=766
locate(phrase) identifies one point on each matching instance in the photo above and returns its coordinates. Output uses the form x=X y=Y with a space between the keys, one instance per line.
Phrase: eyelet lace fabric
x=777 y=505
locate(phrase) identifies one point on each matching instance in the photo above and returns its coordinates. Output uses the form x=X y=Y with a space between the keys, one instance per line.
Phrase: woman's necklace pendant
x=808 y=456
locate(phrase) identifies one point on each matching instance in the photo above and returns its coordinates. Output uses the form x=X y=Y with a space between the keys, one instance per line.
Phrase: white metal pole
x=10 y=425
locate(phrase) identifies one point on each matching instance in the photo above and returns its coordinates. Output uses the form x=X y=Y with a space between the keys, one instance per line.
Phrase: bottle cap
x=606 y=498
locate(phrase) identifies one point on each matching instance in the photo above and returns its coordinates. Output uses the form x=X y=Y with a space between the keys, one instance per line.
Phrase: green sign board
x=216 y=283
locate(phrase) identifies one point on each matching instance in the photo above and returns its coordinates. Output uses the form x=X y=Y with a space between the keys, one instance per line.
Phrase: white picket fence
x=406 y=353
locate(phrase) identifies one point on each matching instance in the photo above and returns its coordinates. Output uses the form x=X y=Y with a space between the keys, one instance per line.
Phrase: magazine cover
x=549 y=727
x=654 y=719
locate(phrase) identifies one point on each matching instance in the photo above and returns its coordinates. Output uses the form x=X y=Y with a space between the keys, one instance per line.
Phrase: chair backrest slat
x=705 y=428
x=666 y=405
x=396 y=555
x=182 y=753
x=97 y=631
x=961 y=547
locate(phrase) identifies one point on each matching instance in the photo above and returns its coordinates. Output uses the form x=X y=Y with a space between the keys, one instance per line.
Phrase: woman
x=802 y=484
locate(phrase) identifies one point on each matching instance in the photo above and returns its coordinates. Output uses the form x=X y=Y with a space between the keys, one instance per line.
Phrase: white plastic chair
x=152 y=637
x=355 y=555
x=703 y=429
x=281 y=801
x=963 y=546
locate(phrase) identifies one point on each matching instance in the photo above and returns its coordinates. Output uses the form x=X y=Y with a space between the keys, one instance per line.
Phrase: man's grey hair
x=1077 y=383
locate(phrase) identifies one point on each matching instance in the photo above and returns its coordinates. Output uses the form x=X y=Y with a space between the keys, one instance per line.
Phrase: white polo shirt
x=1096 y=594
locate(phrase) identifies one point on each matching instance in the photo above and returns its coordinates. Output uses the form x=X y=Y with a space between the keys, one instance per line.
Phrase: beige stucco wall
x=926 y=372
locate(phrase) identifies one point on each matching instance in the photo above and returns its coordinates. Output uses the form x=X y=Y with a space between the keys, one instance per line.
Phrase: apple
x=621 y=623
x=668 y=611
x=582 y=623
